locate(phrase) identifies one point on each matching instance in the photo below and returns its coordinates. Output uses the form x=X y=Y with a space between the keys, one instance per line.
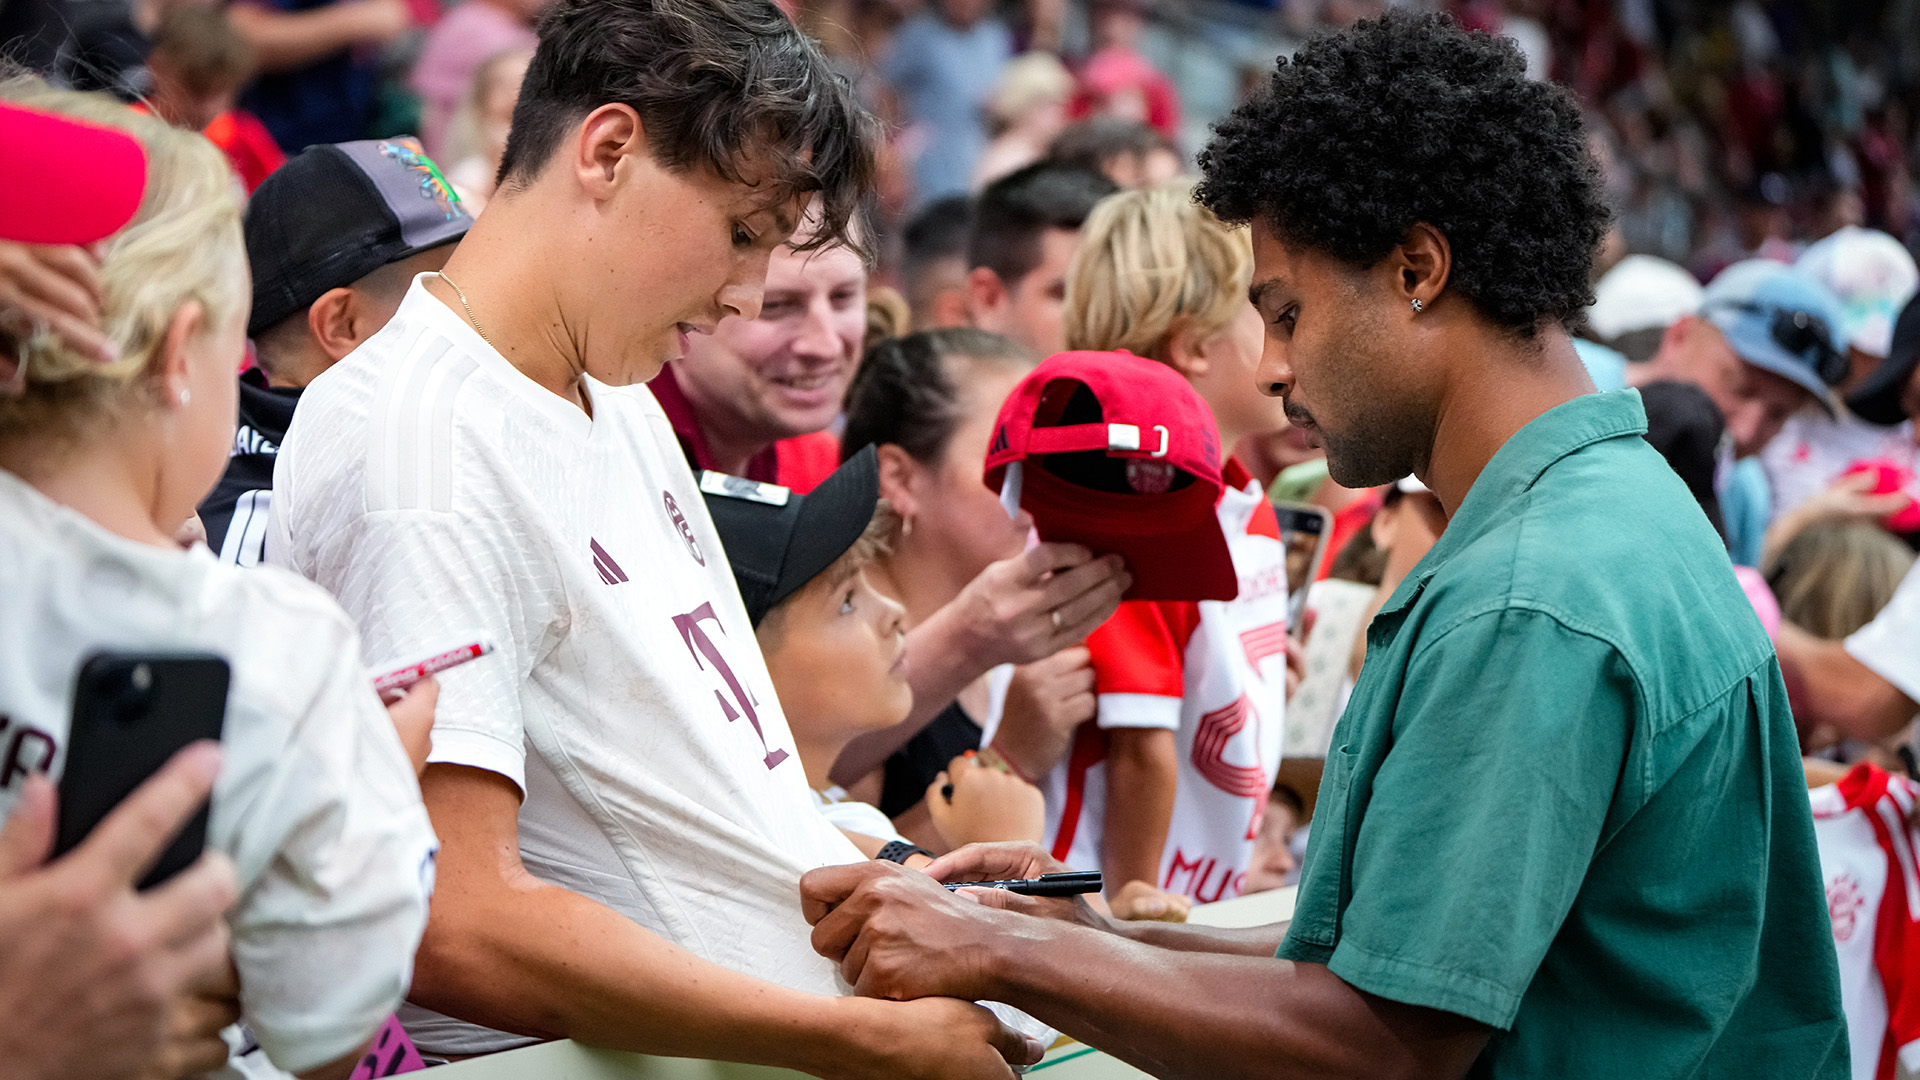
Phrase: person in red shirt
x=1163 y=791
x=199 y=63
x=757 y=397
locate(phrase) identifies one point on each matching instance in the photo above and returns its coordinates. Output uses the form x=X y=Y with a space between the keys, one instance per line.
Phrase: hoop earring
x=1418 y=307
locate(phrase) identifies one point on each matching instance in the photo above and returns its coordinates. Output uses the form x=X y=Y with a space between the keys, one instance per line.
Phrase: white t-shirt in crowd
x=1213 y=672
x=316 y=802
x=438 y=493
x=1813 y=449
x=1890 y=645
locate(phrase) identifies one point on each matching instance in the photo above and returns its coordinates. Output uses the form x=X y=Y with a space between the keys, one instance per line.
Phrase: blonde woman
x=316 y=804
x=1190 y=696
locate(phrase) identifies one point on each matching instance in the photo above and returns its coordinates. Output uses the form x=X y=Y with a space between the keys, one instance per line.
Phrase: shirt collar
x=764 y=466
x=1546 y=439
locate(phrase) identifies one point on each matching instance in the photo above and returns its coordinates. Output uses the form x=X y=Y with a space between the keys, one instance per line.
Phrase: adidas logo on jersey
x=610 y=571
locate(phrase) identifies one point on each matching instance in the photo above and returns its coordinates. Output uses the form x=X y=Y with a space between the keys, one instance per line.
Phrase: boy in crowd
x=836 y=648
x=334 y=238
x=198 y=64
x=622 y=814
x=1026 y=226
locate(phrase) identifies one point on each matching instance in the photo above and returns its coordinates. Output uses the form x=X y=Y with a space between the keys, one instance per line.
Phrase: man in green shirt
x=1563 y=830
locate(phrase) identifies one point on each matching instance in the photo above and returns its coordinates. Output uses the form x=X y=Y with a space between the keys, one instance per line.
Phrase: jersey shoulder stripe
x=410 y=443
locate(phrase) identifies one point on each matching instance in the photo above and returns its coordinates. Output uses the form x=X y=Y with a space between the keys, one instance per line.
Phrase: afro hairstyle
x=1408 y=119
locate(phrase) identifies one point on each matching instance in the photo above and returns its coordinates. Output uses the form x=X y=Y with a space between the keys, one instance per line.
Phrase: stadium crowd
x=1467 y=474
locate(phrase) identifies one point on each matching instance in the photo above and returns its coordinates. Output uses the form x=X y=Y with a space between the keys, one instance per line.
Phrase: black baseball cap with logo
x=778 y=540
x=337 y=212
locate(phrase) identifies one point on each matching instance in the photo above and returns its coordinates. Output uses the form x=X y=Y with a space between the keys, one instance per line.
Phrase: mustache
x=1297 y=415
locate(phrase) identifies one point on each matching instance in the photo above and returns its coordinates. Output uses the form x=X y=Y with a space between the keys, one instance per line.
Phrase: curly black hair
x=1408 y=119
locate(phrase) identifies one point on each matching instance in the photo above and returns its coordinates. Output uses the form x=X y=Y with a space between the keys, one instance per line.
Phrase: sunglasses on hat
x=1801 y=334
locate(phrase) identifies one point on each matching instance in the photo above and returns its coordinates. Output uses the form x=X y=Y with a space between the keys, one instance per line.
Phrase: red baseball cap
x=1118 y=453
x=65 y=181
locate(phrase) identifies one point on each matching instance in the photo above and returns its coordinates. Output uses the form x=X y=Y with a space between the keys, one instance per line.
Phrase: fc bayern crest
x=686 y=530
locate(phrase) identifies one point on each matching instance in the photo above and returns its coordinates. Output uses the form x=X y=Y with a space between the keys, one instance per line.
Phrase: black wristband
x=900 y=851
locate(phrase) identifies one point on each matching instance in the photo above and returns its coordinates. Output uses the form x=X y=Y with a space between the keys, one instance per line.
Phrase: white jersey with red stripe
x=1212 y=671
x=1868 y=851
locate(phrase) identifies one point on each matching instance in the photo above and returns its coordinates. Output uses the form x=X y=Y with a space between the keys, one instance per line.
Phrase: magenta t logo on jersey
x=686 y=530
x=610 y=571
x=706 y=652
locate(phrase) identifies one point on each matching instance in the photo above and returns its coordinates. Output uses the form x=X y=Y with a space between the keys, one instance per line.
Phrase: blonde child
x=1165 y=788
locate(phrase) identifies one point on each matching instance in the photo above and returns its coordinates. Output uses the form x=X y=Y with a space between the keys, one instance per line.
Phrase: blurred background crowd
x=1726 y=129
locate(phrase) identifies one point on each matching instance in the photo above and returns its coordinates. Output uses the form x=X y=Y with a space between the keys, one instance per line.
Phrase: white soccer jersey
x=316 y=802
x=439 y=492
x=1215 y=673
x=1868 y=844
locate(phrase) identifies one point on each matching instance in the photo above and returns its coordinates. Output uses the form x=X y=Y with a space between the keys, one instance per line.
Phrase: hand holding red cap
x=65 y=184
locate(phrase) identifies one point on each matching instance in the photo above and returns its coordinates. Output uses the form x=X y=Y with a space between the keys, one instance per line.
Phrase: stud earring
x=906 y=527
x=1418 y=307
x=186 y=395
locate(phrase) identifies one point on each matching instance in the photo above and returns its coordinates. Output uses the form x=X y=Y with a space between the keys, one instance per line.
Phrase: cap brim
x=66 y=182
x=1172 y=543
x=1759 y=350
x=832 y=518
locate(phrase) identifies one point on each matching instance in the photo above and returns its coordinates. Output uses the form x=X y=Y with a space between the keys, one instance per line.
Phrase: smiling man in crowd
x=755 y=397
x=1564 y=831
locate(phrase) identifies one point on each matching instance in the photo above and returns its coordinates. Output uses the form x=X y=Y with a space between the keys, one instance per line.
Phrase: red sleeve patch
x=1142 y=649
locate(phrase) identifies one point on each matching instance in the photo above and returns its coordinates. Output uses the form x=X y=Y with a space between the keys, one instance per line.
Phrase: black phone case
x=131 y=712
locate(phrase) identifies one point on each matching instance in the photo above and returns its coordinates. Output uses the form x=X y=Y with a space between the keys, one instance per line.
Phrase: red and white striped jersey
x=1212 y=671
x=1867 y=858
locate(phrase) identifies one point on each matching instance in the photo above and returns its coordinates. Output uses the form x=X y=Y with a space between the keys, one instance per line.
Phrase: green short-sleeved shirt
x=1566 y=798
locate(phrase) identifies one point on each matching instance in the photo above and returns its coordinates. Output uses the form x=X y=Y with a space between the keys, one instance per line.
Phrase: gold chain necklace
x=477 y=328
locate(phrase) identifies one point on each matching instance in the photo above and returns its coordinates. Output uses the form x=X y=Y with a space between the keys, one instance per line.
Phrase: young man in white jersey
x=623 y=817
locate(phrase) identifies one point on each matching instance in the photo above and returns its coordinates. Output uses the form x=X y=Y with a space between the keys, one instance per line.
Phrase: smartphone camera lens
x=134 y=701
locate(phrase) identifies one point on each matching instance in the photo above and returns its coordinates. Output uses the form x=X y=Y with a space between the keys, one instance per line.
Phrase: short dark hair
x=905 y=394
x=1016 y=209
x=940 y=230
x=1408 y=119
x=731 y=85
x=1094 y=142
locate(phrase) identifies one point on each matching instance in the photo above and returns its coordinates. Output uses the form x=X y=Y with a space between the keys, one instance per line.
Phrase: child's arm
x=1142 y=776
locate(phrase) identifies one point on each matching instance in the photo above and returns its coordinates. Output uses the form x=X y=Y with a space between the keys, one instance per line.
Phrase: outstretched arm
x=1828 y=686
x=899 y=934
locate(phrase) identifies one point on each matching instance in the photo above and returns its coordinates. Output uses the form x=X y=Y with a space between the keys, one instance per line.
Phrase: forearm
x=1142 y=777
x=538 y=960
x=1828 y=686
x=1216 y=1016
x=1189 y=938
x=940 y=663
x=285 y=40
